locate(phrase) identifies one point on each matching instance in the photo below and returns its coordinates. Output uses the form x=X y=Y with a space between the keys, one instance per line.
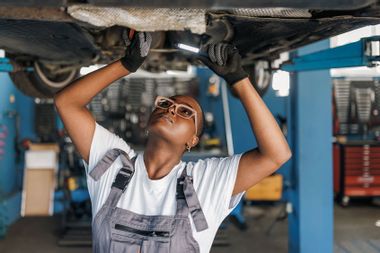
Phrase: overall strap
x=120 y=184
x=107 y=160
x=122 y=179
x=187 y=201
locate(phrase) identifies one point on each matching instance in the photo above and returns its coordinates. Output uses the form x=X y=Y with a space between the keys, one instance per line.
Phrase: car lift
x=305 y=99
x=365 y=52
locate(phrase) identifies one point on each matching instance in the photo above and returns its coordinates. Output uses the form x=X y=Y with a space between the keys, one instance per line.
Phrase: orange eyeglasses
x=182 y=110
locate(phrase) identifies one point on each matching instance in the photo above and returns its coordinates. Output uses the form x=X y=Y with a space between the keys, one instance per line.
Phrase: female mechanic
x=153 y=201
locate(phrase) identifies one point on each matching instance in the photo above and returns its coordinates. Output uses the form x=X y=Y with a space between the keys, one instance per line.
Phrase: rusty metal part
x=158 y=40
x=219 y=29
x=112 y=37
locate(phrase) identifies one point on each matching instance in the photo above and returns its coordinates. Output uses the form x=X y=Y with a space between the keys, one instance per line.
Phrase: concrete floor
x=355 y=231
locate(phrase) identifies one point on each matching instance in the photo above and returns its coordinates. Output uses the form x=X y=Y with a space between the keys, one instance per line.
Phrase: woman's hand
x=224 y=59
x=136 y=51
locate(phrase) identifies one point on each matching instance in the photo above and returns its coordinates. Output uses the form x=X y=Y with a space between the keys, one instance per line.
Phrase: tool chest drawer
x=362 y=192
x=366 y=181
x=356 y=170
x=362 y=149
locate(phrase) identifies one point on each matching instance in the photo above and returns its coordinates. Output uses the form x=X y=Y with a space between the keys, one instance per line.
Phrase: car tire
x=260 y=76
x=41 y=83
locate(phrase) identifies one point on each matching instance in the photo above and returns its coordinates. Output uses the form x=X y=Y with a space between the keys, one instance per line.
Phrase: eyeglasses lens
x=182 y=110
x=164 y=103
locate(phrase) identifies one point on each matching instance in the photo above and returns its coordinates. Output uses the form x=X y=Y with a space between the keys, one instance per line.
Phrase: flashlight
x=191 y=49
x=188 y=48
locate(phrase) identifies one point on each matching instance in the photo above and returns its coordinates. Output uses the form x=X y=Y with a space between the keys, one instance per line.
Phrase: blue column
x=311 y=194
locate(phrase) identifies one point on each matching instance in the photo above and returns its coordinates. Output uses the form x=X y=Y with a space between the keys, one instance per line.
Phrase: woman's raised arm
x=72 y=100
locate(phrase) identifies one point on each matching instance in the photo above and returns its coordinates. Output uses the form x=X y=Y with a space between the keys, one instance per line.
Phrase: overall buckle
x=180 y=194
x=122 y=179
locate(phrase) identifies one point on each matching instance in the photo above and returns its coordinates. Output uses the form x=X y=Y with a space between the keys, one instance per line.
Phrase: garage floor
x=355 y=231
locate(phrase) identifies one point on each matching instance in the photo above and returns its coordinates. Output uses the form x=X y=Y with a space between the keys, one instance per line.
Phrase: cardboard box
x=38 y=193
x=269 y=189
x=41 y=166
x=44 y=146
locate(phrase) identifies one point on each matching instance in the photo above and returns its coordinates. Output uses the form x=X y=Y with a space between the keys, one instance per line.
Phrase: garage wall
x=14 y=106
x=7 y=125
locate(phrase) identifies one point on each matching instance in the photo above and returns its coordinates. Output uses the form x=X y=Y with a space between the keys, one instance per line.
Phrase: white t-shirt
x=213 y=180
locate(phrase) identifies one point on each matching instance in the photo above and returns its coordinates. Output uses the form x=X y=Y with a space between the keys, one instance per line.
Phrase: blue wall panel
x=14 y=106
x=8 y=170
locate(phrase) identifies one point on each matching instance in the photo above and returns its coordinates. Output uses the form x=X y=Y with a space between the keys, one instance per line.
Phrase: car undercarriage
x=57 y=38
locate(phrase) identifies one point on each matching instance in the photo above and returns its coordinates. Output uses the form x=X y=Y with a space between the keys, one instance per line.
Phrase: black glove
x=137 y=50
x=224 y=59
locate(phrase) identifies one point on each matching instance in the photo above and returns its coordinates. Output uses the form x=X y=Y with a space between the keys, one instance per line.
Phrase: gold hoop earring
x=188 y=148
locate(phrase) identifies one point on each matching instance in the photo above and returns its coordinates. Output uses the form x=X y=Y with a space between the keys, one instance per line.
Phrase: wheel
x=44 y=81
x=260 y=76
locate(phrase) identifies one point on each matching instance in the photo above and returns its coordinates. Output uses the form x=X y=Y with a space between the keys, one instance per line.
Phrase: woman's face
x=174 y=128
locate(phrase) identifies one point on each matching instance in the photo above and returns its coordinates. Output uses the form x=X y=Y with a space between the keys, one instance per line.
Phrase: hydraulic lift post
x=310 y=136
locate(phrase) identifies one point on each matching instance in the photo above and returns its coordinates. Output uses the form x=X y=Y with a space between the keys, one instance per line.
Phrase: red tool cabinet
x=356 y=171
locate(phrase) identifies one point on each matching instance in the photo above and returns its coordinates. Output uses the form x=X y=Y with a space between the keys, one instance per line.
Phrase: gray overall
x=122 y=231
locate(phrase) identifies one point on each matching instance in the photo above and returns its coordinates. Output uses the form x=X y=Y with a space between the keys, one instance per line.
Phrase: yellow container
x=269 y=189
